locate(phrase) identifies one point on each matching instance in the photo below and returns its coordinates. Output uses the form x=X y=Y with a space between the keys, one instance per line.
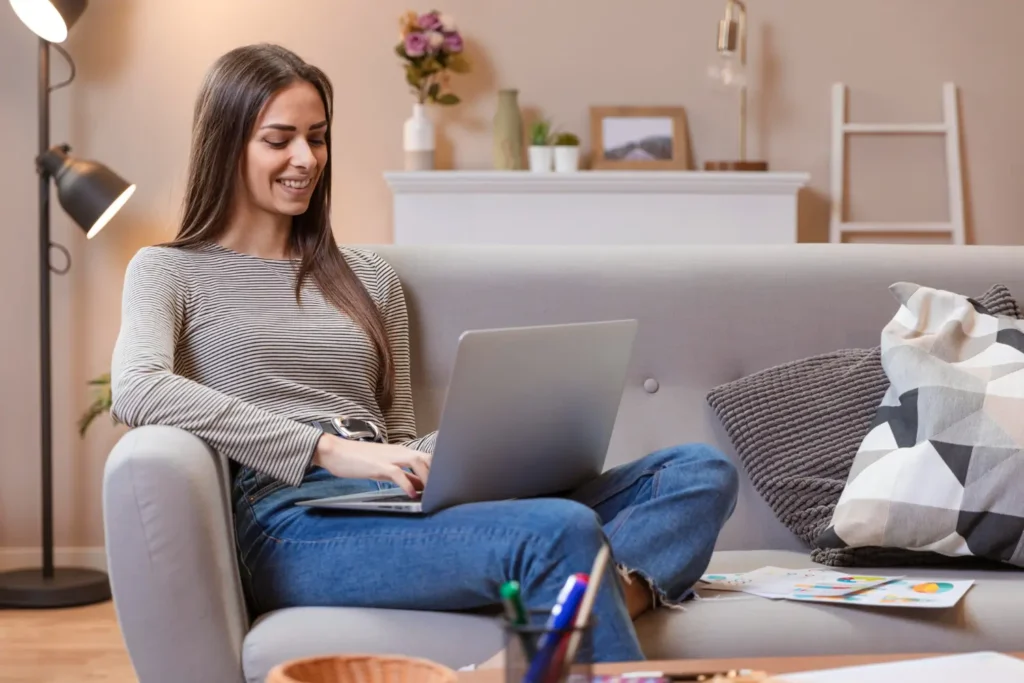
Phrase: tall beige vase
x=508 y=132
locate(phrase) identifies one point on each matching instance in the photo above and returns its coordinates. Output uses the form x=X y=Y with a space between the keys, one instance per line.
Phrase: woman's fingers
x=404 y=481
x=408 y=469
x=421 y=467
x=416 y=481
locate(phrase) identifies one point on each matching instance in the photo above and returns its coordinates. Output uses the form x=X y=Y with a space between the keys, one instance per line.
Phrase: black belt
x=351 y=428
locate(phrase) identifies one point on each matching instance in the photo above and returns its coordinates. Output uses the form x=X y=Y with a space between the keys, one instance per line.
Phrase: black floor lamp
x=91 y=194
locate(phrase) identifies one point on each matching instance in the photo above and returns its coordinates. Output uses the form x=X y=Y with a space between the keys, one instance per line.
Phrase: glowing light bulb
x=728 y=72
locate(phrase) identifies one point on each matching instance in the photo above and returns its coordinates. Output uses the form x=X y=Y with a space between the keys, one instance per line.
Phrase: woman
x=253 y=324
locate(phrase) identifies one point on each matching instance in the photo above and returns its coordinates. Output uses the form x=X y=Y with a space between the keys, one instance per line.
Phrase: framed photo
x=652 y=138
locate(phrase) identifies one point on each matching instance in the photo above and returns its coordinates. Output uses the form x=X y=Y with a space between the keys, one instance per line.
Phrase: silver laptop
x=529 y=412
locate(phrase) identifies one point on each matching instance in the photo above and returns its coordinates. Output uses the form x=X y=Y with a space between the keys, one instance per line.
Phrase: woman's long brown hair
x=230 y=100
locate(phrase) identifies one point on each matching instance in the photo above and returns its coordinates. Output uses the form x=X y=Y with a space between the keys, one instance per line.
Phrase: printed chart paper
x=822 y=585
x=902 y=593
x=776 y=582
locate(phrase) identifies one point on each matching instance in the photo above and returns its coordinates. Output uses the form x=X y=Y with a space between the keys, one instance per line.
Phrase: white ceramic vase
x=418 y=140
x=541 y=158
x=567 y=158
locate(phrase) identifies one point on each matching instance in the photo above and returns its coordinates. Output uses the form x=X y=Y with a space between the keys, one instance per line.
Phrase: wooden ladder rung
x=864 y=226
x=897 y=128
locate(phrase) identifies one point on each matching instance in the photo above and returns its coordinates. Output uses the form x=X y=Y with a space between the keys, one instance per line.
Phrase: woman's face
x=287 y=152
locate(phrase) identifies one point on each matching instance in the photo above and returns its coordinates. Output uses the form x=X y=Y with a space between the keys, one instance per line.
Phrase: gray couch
x=707 y=315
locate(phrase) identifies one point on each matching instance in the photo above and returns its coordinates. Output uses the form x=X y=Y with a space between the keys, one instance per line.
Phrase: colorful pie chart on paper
x=860 y=579
x=933 y=587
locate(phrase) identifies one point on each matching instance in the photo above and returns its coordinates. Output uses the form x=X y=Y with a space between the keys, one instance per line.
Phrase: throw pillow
x=941 y=468
x=796 y=428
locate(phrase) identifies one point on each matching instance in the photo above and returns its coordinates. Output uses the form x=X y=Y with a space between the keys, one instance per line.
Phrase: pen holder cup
x=535 y=653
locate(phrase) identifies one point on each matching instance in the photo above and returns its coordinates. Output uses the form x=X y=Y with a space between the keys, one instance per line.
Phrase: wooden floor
x=80 y=645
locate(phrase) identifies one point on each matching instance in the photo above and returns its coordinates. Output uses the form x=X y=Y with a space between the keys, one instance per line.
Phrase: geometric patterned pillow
x=942 y=467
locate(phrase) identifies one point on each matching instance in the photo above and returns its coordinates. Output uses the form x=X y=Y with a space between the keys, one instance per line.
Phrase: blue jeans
x=661 y=515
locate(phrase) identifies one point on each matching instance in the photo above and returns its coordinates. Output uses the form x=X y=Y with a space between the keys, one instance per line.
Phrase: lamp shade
x=89 y=192
x=49 y=19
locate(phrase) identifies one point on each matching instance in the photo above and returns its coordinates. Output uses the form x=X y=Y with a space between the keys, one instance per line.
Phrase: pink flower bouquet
x=430 y=47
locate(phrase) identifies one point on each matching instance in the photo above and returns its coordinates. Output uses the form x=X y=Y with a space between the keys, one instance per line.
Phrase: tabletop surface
x=770 y=665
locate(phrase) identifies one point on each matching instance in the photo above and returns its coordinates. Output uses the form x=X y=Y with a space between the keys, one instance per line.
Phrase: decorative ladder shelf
x=950 y=127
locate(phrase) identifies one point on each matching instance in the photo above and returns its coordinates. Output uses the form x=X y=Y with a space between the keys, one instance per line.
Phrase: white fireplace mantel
x=594 y=207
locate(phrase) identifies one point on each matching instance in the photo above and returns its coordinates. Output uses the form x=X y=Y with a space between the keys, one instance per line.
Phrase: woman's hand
x=371 y=460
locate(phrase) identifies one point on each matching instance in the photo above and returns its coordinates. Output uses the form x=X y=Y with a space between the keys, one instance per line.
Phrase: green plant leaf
x=459 y=64
x=102 y=402
x=433 y=90
x=412 y=75
x=448 y=99
x=93 y=411
x=429 y=65
x=540 y=132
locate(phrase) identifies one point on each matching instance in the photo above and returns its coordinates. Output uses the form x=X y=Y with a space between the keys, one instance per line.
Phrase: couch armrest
x=171 y=557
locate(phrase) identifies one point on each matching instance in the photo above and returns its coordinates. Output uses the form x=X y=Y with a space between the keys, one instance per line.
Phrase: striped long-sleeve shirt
x=214 y=342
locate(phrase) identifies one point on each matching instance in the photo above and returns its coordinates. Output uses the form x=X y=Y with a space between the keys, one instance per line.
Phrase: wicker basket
x=361 y=669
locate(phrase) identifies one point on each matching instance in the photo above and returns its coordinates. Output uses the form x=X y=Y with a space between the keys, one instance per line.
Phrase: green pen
x=513 y=602
x=516 y=614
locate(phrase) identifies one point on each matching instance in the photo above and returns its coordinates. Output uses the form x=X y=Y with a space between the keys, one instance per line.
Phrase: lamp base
x=68 y=587
x=735 y=165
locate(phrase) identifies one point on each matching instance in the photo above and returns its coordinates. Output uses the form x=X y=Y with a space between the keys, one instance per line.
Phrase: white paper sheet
x=975 y=667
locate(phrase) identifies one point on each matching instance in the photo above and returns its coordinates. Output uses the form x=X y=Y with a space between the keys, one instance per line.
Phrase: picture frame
x=639 y=138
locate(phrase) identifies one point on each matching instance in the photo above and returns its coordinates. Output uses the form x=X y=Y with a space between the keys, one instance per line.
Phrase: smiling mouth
x=296 y=184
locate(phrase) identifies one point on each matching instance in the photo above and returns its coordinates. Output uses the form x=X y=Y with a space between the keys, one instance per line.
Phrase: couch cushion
x=719 y=624
x=454 y=640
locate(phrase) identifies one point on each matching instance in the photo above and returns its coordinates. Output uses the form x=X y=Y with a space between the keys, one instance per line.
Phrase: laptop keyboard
x=398 y=497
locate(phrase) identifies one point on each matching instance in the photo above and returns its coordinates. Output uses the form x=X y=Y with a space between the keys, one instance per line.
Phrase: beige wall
x=140 y=62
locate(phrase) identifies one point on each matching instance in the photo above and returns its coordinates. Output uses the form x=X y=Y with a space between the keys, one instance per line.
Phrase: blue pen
x=561 y=618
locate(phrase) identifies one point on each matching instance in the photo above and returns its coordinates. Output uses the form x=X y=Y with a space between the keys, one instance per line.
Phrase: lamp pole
x=45 y=380
x=741 y=49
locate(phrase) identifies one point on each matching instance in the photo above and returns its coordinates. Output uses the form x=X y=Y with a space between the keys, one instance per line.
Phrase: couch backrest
x=707 y=315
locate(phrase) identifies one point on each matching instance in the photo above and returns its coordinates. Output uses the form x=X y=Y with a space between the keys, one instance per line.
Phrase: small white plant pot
x=567 y=158
x=541 y=158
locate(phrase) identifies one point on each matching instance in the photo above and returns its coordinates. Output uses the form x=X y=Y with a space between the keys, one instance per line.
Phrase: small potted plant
x=567 y=152
x=541 y=153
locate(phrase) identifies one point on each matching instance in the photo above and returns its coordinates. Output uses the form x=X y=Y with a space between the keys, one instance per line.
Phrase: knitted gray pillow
x=797 y=428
